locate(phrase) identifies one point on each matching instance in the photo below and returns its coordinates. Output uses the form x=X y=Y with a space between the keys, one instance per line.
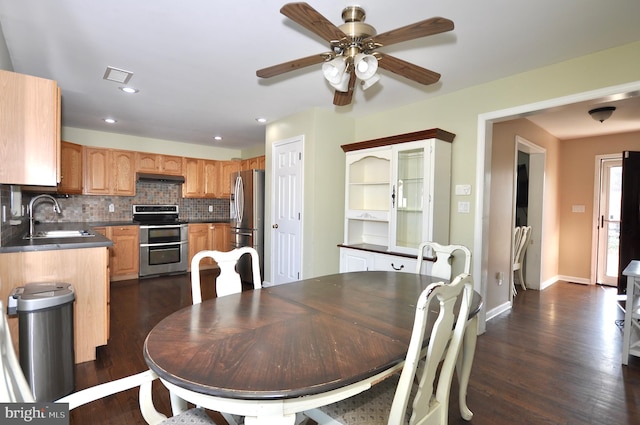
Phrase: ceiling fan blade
x=407 y=70
x=312 y=20
x=341 y=98
x=292 y=65
x=419 y=29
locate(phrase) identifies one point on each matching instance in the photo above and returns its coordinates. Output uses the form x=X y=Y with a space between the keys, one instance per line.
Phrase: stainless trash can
x=45 y=322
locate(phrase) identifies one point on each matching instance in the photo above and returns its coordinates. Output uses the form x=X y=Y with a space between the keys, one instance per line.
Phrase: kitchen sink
x=50 y=234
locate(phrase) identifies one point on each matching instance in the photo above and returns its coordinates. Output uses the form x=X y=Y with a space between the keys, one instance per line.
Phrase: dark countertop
x=19 y=244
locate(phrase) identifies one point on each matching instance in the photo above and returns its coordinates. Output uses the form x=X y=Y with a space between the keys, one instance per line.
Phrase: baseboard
x=574 y=279
x=497 y=310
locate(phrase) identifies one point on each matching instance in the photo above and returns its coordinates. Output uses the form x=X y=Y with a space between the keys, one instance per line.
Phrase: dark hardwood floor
x=555 y=358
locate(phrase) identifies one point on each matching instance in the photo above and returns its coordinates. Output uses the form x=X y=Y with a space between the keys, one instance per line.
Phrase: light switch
x=577 y=208
x=464 y=207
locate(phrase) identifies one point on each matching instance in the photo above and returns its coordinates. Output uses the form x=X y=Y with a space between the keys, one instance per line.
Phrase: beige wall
x=577 y=176
x=501 y=207
x=323 y=186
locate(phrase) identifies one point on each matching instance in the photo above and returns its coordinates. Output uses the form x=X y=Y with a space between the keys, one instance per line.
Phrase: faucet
x=56 y=208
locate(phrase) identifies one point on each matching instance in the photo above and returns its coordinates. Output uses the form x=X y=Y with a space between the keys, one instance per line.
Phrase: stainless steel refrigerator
x=247 y=218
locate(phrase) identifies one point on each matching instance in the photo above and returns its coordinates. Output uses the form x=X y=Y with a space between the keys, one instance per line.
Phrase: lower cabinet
x=208 y=236
x=352 y=260
x=124 y=255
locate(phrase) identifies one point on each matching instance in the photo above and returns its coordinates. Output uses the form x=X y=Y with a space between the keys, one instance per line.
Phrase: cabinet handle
x=393 y=197
x=397 y=268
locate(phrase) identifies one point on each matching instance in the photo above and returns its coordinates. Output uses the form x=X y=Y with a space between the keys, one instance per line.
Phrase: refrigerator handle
x=239 y=195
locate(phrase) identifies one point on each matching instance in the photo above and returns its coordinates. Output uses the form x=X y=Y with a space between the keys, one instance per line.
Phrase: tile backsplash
x=92 y=208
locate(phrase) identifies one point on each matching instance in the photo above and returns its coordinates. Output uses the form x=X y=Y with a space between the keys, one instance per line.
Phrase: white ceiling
x=194 y=61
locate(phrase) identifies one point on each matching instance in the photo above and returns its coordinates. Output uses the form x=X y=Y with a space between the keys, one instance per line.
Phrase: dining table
x=269 y=354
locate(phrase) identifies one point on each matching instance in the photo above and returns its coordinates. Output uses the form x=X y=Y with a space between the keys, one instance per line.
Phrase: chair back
x=429 y=406
x=521 y=238
x=14 y=387
x=442 y=268
x=228 y=282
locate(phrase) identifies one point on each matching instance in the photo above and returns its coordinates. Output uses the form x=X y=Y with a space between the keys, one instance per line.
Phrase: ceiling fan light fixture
x=602 y=114
x=366 y=66
x=343 y=84
x=369 y=82
x=334 y=70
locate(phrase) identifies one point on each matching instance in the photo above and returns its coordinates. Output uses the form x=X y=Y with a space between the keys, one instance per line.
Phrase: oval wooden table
x=268 y=354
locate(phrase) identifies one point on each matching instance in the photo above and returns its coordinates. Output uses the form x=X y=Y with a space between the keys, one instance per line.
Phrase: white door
x=286 y=226
x=608 y=220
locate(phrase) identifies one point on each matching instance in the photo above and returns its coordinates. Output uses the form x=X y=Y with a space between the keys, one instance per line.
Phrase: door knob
x=275 y=226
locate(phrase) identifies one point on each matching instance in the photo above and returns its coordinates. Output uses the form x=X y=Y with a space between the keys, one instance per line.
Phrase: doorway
x=529 y=195
x=607 y=216
x=286 y=228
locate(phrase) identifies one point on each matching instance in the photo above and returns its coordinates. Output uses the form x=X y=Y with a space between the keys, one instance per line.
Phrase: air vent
x=118 y=75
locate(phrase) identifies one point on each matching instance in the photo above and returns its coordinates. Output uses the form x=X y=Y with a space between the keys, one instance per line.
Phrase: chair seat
x=370 y=407
x=196 y=416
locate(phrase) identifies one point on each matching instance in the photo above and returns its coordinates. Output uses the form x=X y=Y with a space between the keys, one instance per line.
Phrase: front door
x=286 y=226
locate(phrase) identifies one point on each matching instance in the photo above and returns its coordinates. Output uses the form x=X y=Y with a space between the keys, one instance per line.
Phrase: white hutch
x=397 y=195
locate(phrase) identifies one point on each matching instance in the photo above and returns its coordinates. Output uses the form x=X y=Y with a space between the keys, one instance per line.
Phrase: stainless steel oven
x=164 y=246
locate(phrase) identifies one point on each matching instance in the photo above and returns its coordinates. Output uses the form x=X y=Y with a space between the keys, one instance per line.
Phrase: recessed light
x=261 y=120
x=117 y=75
x=109 y=120
x=130 y=90
x=217 y=137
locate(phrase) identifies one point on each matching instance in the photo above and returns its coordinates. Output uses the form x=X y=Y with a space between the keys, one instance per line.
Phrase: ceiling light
x=261 y=120
x=129 y=90
x=602 y=114
x=334 y=70
x=110 y=120
x=217 y=137
x=117 y=75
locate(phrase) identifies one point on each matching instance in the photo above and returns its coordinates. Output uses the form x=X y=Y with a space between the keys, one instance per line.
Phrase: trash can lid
x=39 y=296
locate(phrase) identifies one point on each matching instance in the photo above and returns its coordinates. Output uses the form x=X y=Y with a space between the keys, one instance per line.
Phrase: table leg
x=465 y=361
x=178 y=405
x=270 y=420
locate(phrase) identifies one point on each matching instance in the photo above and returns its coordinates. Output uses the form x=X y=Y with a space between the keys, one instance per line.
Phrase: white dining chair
x=521 y=239
x=387 y=403
x=442 y=268
x=14 y=387
x=228 y=282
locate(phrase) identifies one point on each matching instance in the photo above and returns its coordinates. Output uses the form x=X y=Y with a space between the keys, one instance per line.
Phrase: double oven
x=164 y=243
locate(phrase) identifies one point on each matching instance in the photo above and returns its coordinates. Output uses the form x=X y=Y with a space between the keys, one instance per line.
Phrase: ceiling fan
x=354 y=47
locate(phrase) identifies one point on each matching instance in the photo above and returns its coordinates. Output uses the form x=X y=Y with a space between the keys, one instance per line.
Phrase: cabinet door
x=123 y=174
x=29 y=130
x=221 y=236
x=193 y=186
x=227 y=168
x=199 y=240
x=96 y=171
x=71 y=168
x=147 y=162
x=355 y=260
x=171 y=165
x=210 y=170
x=125 y=258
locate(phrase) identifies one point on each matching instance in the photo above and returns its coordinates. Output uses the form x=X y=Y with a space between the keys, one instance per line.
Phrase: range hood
x=160 y=178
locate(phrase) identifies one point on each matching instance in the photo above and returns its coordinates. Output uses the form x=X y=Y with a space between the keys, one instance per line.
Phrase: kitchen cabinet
x=256 y=163
x=86 y=270
x=397 y=194
x=157 y=163
x=109 y=172
x=208 y=236
x=201 y=178
x=226 y=170
x=29 y=130
x=631 y=333
x=70 y=168
x=124 y=255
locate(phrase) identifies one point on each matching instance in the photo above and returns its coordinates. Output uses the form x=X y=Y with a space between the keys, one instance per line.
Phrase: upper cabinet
x=29 y=130
x=398 y=191
x=157 y=163
x=70 y=168
x=109 y=172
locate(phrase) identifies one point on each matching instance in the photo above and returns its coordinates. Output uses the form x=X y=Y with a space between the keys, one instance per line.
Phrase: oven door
x=163 y=250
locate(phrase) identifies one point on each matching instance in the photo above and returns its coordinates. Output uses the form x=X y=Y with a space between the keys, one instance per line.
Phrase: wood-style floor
x=555 y=358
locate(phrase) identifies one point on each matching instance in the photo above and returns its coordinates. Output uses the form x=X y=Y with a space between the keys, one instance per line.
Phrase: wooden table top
x=287 y=341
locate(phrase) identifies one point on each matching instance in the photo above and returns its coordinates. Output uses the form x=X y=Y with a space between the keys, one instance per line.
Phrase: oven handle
x=163 y=226
x=163 y=244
